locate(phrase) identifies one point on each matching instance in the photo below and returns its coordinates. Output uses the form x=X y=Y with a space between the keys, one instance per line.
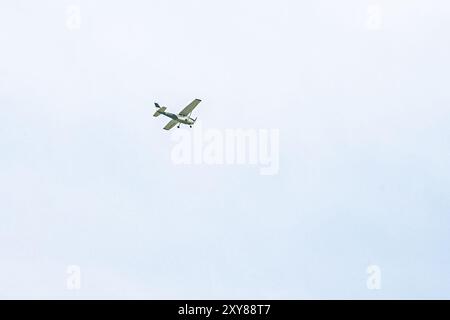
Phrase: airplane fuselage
x=179 y=118
x=182 y=117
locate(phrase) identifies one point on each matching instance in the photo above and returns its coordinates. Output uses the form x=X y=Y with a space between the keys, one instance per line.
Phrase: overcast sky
x=359 y=91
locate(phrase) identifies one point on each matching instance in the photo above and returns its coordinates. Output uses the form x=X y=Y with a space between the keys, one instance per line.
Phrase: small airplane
x=183 y=117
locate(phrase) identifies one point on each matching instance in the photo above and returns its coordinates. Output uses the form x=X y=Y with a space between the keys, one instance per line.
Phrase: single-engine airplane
x=183 y=117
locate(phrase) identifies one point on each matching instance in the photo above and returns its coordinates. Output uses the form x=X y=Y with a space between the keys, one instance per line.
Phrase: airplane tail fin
x=159 y=111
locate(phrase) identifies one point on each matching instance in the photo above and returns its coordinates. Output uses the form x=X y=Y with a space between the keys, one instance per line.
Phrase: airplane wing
x=170 y=125
x=186 y=111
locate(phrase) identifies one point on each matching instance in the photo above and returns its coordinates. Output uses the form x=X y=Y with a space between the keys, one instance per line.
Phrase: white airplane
x=183 y=117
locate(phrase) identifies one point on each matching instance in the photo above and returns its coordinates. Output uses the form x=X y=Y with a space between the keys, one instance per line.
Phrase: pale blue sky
x=86 y=176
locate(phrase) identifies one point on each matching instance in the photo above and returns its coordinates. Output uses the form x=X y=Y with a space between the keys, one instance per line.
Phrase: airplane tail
x=159 y=111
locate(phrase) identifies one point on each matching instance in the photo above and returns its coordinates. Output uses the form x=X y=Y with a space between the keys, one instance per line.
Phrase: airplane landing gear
x=178 y=126
x=190 y=126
